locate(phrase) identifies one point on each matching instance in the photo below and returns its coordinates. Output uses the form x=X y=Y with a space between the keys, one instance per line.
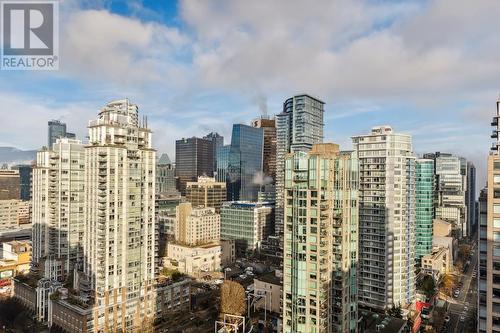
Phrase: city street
x=465 y=304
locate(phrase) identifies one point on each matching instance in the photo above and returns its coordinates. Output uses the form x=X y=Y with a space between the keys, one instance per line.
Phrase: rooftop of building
x=270 y=278
x=379 y=323
x=244 y=204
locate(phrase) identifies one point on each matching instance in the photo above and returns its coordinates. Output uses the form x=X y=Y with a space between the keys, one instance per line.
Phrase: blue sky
x=428 y=68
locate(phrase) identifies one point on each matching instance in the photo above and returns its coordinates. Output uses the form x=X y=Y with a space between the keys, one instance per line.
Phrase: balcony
x=494 y=122
x=494 y=134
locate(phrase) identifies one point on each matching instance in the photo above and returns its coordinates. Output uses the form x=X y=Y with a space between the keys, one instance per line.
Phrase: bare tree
x=232 y=298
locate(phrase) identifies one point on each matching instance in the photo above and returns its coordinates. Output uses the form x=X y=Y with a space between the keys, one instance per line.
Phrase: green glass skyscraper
x=424 y=209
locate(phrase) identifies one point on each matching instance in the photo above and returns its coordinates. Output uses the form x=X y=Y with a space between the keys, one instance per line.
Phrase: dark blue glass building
x=245 y=163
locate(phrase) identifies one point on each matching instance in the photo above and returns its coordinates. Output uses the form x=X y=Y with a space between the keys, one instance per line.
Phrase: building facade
x=218 y=142
x=25 y=172
x=470 y=199
x=269 y=149
x=489 y=239
x=58 y=205
x=196 y=225
x=120 y=243
x=165 y=176
x=57 y=130
x=424 y=207
x=245 y=163
x=450 y=190
x=222 y=163
x=321 y=241
x=194 y=157
x=298 y=127
x=206 y=192
x=248 y=223
x=386 y=218
x=13 y=213
x=10 y=184
x=194 y=260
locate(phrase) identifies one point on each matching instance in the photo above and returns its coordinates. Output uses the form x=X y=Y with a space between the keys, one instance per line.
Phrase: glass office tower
x=245 y=163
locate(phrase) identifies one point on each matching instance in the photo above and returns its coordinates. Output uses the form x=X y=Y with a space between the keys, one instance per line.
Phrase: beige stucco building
x=194 y=226
x=206 y=192
x=193 y=260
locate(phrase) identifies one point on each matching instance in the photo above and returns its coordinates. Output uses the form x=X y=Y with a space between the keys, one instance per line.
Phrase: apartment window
x=496 y=165
x=496 y=209
x=496 y=193
x=496 y=179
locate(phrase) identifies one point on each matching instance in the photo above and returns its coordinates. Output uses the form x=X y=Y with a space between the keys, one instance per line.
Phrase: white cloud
x=347 y=49
x=106 y=47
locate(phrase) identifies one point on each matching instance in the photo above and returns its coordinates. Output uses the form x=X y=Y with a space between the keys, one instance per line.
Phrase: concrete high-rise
x=56 y=130
x=424 y=207
x=194 y=157
x=120 y=242
x=206 y=192
x=489 y=239
x=386 y=218
x=245 y=163
x=298 y=127
x=321 y=241
x=58 y=211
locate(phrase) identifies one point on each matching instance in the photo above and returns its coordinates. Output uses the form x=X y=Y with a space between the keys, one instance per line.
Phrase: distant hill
x=11 y=155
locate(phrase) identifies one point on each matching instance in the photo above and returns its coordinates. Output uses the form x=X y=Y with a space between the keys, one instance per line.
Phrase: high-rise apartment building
x=245 y=163
x=470 y=198
x=424 y=207
x=10 y=184
x=58 y=211
x=489 y=239
x=193 y=157
x=222 y=163
x=57 y=130
x=165 y=176
x=298 y=127
x=269 y=149
x=321 y=241
x=120 y=242
x=248 y=223
x=206 y=192
x=386 y=218
x=196 y=225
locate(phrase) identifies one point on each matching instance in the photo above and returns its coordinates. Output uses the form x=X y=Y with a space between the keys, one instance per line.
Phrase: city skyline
x=195 y=49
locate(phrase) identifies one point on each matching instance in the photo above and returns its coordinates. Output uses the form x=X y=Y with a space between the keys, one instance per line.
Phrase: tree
x=447 y=284
x=395 y=311
x=232 y=298
x=428 y=286
x=464 y=252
